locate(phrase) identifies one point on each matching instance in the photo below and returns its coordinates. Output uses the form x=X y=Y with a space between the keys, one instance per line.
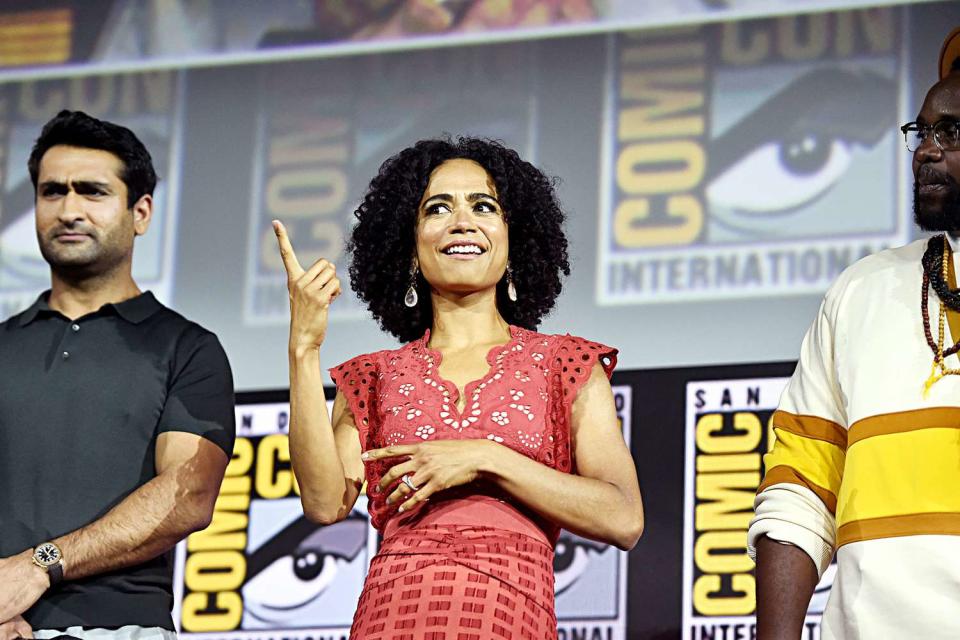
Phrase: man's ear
x=142 y=214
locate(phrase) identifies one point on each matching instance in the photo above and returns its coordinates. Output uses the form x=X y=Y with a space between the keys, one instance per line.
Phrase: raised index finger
x=287 y=254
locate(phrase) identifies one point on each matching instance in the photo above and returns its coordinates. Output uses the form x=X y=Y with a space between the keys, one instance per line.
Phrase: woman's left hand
x=431 y=467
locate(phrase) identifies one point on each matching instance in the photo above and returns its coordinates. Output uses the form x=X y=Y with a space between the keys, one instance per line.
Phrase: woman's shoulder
x=376 y=361
x=566 y=341
x=573 y=357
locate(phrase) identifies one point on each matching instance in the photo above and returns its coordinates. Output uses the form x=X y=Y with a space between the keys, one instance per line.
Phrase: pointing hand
x=311 y=293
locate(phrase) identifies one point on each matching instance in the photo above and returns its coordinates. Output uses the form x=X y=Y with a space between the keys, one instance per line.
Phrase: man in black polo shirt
x=116 y=414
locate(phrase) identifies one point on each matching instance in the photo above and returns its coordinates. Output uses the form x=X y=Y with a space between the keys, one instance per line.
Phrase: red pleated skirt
x=458 y=582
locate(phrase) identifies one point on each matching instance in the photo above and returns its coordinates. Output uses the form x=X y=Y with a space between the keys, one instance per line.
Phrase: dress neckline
x=494 y=358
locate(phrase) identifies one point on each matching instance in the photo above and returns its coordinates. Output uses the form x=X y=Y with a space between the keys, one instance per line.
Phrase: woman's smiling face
x=461 y=236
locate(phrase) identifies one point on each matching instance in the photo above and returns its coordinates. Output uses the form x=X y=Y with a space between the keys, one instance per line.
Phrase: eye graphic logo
x=794 y=151
x=572 y=559
x=750 y=158
x=304 y=575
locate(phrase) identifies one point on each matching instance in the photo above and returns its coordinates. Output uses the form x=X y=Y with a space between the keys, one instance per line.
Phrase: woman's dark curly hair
x=383 y=242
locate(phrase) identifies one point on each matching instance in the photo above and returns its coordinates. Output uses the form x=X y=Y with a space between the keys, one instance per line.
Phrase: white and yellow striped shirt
x=865 y=465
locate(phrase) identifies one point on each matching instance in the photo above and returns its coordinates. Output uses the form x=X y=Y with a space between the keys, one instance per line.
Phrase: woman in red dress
x=479 y=438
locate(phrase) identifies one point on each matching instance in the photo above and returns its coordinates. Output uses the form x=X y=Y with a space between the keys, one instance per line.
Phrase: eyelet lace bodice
x=523 y=402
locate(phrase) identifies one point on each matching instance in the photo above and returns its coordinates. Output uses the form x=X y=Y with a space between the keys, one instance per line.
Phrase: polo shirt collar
x=135 y=310
x=40 y=304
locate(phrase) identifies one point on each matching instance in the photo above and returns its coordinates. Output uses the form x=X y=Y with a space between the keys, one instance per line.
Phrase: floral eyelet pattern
x=424 y=431
x=522 y=402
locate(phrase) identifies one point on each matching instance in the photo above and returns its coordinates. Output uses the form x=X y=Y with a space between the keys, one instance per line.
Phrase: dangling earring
x=411 y=299
x=511 y=289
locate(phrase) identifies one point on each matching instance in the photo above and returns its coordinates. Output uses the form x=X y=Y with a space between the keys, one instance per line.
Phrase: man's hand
x=21 y=585
x=15 y=628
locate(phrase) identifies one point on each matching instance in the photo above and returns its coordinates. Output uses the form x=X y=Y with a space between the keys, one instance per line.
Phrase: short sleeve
x=575 y=358
x=200 y=392
x=571 y=367
x=356 y=379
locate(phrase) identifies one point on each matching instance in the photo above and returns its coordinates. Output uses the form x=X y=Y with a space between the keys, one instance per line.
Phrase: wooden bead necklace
x=940 y=276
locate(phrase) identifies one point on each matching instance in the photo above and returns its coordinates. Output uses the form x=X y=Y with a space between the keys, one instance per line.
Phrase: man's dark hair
x=77 y=129
x=383 y=241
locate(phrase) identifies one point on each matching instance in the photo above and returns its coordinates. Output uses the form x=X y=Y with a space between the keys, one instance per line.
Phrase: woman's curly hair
x=383 y=242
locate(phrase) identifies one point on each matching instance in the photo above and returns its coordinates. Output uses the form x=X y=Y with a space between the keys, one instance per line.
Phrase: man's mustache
x=928 y=175
x=72 y=230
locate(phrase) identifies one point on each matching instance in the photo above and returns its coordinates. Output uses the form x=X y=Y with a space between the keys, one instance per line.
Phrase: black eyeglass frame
x=938 y=129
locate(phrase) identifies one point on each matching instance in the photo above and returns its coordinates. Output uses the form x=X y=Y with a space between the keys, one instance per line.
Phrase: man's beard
x=75 y=263
x=940 y=213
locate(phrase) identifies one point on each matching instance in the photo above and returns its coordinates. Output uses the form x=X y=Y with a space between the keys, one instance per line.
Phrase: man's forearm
x=786 y=578
x=142 y=526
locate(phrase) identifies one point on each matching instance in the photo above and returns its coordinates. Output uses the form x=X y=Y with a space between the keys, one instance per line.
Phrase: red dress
x=470 y=564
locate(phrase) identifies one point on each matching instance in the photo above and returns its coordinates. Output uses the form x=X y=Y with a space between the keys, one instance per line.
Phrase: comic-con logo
x=734 y=150
x=728 y=431
x=261 y=565
x=323 y=128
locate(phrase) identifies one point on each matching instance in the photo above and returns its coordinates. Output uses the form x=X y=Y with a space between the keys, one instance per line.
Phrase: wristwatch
x=48 y=557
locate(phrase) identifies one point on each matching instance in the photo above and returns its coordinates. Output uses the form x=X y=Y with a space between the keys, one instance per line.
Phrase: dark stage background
x=697 y=435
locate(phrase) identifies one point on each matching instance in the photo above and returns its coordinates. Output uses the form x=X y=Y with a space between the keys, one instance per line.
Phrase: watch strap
x=55 y=571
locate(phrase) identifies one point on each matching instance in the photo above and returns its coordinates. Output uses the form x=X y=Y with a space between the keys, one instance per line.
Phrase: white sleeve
x=792 y=514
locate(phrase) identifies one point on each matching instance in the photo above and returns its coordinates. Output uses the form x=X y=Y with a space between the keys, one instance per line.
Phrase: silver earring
x=511 y=289
x=411 y=299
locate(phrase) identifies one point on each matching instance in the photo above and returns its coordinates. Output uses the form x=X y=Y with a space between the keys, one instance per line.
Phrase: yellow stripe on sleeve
x=811 y=462
x=811 y=427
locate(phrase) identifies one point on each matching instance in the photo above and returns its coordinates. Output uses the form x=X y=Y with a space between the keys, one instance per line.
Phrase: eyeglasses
x=946 y=134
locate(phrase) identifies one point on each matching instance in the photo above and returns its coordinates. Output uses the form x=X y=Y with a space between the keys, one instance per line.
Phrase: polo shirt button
x=75 y=327
x=66 y=354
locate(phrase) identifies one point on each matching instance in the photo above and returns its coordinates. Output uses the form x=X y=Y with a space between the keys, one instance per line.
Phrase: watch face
x=47 y=554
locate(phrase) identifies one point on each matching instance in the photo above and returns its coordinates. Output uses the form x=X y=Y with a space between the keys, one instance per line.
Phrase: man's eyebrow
x=84 y=186
x=90 y=185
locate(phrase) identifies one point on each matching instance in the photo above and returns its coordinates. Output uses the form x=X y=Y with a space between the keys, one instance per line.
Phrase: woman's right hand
x=311 y=293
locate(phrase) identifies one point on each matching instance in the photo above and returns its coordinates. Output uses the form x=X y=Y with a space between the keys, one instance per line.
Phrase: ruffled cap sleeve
x=572 y=364
x=356 y=379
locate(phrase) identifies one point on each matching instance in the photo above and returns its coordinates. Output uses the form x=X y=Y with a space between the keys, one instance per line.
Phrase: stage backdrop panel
x=262 y=570
x=698 y=438
x=697 y=435
x=720 y=161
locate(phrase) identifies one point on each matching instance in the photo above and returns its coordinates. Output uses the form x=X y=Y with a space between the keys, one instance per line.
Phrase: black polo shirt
x=81 y=405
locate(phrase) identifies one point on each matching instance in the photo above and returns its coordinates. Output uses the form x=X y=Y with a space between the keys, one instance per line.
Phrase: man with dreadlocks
x=867 y=455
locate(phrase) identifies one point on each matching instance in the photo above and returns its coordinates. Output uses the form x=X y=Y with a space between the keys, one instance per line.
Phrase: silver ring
x=405 y=479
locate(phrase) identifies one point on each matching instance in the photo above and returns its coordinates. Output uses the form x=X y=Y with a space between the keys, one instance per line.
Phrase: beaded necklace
x=936 y=265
